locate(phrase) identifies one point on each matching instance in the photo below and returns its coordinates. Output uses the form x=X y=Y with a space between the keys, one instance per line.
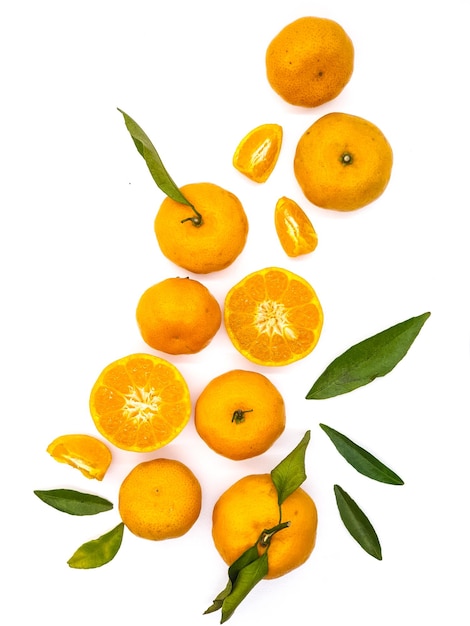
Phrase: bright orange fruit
x=83 y=452
x=258 y=152
x=140 y=402
x=273 y=317
x=294 y=229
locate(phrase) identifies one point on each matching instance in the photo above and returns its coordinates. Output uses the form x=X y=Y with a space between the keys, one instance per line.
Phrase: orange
x=211 y=245
x=257 y=153
x=343 y=162
x=273 y=317
x=240 y=414
x=178 y=316
x=249 y=507
x=294 y=229
x=310 y=61
x=160 y=499
x=83 y=452
x=140 y=402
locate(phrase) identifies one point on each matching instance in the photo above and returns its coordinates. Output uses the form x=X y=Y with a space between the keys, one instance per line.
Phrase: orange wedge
x=273 y=317
x=84 y=452
x=140 y=402
x=294 y=229
x=257 y=153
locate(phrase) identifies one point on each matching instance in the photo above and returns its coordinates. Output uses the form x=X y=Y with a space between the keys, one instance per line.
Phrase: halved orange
x=257 y=153
x=294 y=229
x=83 y=452
x=140 y=402
x=273 y=317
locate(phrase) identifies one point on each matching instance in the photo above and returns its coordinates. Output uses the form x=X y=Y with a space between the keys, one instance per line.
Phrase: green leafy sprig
x=93 y=553
x=251 y=567
x=159 y=173
x=358 y=366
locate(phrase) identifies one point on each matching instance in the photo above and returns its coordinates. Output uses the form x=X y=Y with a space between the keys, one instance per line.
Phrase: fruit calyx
x=346 y=158
x=196 y=219
x=239 y=415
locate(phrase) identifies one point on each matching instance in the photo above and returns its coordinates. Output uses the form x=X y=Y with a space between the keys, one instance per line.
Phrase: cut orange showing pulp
x=257 y=153
x=83 y=452
x=140 y=402
x=273 y=317
x=294 y=229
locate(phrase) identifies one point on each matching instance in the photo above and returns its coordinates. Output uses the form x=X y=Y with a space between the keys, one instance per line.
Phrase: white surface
x=78 y=249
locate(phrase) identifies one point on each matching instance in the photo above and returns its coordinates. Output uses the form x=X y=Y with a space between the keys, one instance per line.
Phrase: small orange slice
x=294 y=229
x=273 y=317
x=257 y=153
x=140 y=402
x=84 y=452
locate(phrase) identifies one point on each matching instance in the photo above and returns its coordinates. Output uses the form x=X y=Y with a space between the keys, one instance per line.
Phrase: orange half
x=140 y=402
x=257 y=153
x=83 y=452
x=273 y=317
x=294 y=229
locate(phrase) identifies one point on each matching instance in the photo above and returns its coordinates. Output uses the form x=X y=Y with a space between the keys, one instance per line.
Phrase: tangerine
x=240 y=414
x=294 y=229
x=273 y=317
x=249 y=507
x=160 y=499
x=140 y=402
x=310 y=61
x=204 y=244
x=178 y=316
x=343 y=162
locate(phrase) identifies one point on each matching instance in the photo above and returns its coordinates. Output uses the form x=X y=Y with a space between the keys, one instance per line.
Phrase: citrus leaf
x=99 y=551
x=154 y=163
x=250 y=555
x=74 y=502
x=248 y=577
x=367 y=360
x=289 y=474
x=357 y=523
x=364 y=462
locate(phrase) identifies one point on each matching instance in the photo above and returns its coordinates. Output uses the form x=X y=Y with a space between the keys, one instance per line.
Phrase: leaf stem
x=268 y=533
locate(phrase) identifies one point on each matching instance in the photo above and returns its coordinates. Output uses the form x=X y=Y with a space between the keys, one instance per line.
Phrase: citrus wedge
x=273 y=317
x=257 y=153
x=140 y=402
x=294 y=229
x=83 y=452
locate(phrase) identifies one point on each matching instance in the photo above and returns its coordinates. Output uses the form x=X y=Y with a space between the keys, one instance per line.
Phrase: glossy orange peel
x=89 y=455
x=257 y=153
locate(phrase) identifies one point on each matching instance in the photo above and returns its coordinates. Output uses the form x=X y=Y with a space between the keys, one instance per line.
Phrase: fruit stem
x=267 y=534
x=346 y=158
x=196 y=219
x=239 y=415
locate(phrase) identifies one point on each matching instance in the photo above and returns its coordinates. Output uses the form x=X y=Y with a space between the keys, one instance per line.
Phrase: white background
x=78 y=249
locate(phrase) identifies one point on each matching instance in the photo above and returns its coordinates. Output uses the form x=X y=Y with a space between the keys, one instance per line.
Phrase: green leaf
x=154 y=163
x=289 y=474
x=74 y=502
x=367 y=360
x=99 y=551
x=360 y=459
x=357 y=523
x=250 y=555
x=248 y=577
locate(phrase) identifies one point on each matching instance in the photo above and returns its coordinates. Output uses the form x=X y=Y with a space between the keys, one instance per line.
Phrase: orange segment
x=140 y=402
x=257 y=153
x=294 y=229
x=83 y=452
x=273 y=317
